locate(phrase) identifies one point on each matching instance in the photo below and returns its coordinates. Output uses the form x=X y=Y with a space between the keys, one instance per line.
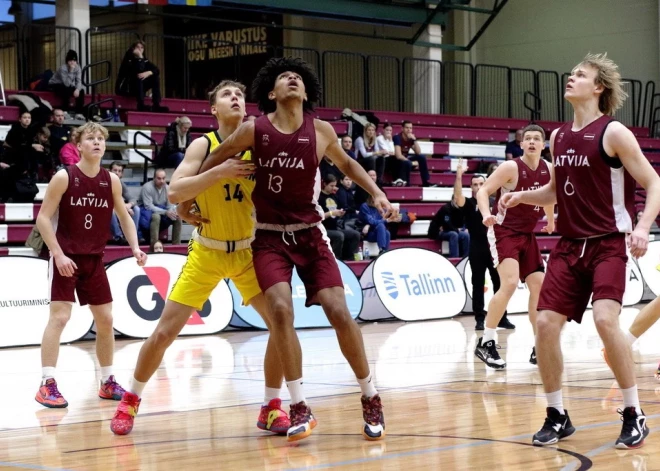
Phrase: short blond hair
x=609 y=77
x=89 y=127
x=225 y=83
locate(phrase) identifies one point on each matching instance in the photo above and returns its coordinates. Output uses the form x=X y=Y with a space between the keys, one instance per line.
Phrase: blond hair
x=183 y=120
x=369 y=142
x=89 y=127
x=613 y=95
x=225 y=83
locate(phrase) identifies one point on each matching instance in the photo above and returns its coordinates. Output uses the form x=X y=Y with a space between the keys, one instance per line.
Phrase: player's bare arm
x=126 y=221
x=549 y=210
x=506 y=176
x=56 y=188
x=459 y=198
x=544 y=196
x=240 y=140
x=331 y=148
x=619 y=141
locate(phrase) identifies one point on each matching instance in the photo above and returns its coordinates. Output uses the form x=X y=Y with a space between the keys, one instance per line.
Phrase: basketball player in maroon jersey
x=513 y=245
x=74 y=222
x=597 y=161
x=288 y=145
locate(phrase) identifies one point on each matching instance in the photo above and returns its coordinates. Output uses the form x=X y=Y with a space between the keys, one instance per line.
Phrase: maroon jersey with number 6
x=287 y=179
x=82 y=224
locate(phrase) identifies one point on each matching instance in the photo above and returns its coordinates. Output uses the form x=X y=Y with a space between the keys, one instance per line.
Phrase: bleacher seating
x=443 y=139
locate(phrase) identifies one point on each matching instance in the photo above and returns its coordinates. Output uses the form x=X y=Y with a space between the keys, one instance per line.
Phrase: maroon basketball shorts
x=275 y=254
x=520 y=246
x=89 y=281
x=579 y=267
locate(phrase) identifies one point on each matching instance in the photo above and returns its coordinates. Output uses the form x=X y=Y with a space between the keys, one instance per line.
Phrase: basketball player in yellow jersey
x=219 y=249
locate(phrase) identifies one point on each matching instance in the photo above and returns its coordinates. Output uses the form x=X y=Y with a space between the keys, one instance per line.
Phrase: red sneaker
x=302 y=422
x=49 y=396
x=111 y=390
x=122 y=422
x=374 y=421
x=273 y=419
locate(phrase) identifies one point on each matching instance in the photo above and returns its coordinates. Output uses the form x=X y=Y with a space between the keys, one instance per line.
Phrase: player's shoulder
x=617 y=128
x=322 y=126
x=61 y=176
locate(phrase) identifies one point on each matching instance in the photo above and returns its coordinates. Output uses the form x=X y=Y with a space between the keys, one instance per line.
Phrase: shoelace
x=298 y=414
x=114 y=385
x=52 y=390
x=372 y=410
x=549 y=425
x=629 y=422
x=126 y=410
x=492 y=350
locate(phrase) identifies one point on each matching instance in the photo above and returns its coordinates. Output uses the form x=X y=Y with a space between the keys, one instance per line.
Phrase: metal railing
x=96 y=98
x=147 y=159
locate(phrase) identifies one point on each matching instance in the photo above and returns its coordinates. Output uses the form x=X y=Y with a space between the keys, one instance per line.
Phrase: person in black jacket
x=137 y=75
x=447 y=224
x=346 y=201
x=177 y=139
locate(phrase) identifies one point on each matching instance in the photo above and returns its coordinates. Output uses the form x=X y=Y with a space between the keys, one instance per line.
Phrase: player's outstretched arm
x=126 y=221
x=507 y=173
x=56 y=188
x=619 y=141
x=549 y=210
x=350 y=167
x=240 y=140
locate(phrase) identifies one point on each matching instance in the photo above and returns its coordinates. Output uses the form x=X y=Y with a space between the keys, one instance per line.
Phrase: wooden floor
x=444 y=409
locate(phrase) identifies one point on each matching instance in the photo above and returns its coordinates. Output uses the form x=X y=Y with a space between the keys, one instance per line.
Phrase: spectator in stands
x=132 y=207
x=20 y=137
x=158 y=247
x=368 y=154
x=403 y=143
x=513 y=148
x=327 y=167
x=69 y=154
x=42 y=158
x=17 y=153
x=137 y=75
x=157 y=214
x=360 y=196
x=177 y=139
x=448 y=224
x=491 y=168
x=66 y=82
x=385 y=143
x=344 y=240
x=654 y=227
x=347 y=145
x=375 y=227
x=346 y=201
x=59 y=133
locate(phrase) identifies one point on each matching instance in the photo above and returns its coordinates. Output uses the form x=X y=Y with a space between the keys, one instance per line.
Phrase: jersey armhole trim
x=612 y=162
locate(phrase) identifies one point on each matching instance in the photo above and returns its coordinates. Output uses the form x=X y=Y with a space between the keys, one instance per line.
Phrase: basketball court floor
x=444 y=409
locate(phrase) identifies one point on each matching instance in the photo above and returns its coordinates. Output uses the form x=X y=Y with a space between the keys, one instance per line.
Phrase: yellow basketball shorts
x=205 y=268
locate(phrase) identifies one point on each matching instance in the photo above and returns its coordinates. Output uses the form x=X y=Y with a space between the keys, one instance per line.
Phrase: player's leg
x=486 y=349
x=534 y=282
x=478 y=264
x=105 y=349
x=531 y=273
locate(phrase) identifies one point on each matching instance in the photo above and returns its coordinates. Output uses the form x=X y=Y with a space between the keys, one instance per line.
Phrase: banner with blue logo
x=312 y=316
x=415 y=284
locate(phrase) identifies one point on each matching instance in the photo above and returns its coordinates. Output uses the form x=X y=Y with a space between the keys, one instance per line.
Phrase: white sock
x=270 y=393
x=47 y=372
x=489 y=334
x=631 y=398
x=106 y=372
x=556 y=400
x=630 y=338
x=136 y=387
x=296 y=390
x=367 y=386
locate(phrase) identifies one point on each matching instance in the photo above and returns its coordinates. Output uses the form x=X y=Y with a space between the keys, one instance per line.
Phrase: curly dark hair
x=264 y=82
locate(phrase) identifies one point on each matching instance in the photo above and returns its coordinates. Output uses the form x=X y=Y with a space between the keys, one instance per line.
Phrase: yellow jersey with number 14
x=227 y=204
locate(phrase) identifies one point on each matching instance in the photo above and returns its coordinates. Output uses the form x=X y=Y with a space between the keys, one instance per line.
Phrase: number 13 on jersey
x=274 y=183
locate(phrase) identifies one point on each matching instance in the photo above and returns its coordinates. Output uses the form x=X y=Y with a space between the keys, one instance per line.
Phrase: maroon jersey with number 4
x=286 y=176
x=595 y=193
x=523 y=218
x=83 y=221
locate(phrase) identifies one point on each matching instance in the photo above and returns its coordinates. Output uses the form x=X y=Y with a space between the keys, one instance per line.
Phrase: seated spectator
x=177 y=139
x=20 y=136
x=59 y=133
x=384 y=141
x=42 y=158
x=347 y=145
x=403 y=143
x=69 y=155
x=360 y=196
x=375 y=227
x=344 y=241
x=158 y=247
x=156 y=213
x=327 y=167
x=513 y=148
x=368 y=154
x=448 y=224
x=16 y=158
x=137 y=75
x=66 y=82
x=346 y=201
x=491 y=168
x=131 y=206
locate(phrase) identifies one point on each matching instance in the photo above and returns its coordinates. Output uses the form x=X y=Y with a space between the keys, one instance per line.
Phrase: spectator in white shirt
x=369 y=155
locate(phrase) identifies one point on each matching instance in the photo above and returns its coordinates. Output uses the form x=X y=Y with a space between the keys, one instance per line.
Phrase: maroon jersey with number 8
x=82 y=224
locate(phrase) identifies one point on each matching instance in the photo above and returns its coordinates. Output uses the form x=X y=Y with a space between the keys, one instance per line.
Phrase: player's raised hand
x=140 y=256
x=65 y=266
x=509 y=200
x=460 y=168
x=490 y=220
x=183 y=210
x=234 y=168
x=638 y=242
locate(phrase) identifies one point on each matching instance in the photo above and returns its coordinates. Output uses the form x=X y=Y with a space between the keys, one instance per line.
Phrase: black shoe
x=555 y=427
x=143 y=107
x=488 y=354
x=532 y=357
x=505 y=324
x=479 y=326
x=160 y=109
x=633 y=430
